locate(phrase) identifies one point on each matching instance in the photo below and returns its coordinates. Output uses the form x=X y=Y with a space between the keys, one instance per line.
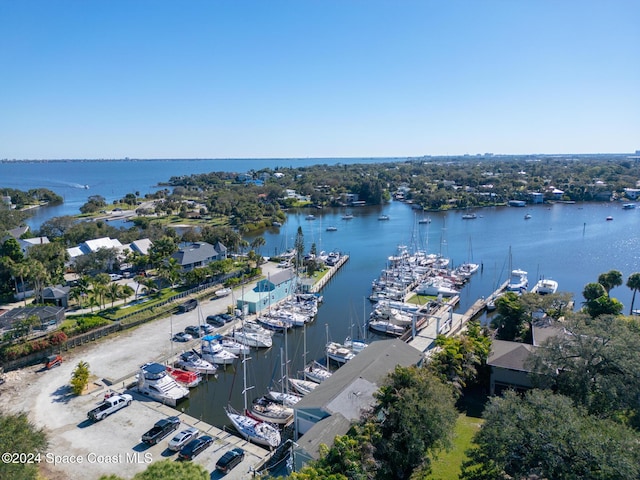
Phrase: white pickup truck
x=110 y=405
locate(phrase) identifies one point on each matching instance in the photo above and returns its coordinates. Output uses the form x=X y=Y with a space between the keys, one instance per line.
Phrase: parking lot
x=83 y=450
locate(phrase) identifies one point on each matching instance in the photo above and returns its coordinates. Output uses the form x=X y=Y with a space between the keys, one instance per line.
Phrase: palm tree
x=113 y=292
x=256 y=243
x=609 y=280
x=170 y=271
x=633 y=282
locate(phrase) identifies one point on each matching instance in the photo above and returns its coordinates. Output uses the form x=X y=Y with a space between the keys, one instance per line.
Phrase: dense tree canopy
x=543 y=435
x=18 y=435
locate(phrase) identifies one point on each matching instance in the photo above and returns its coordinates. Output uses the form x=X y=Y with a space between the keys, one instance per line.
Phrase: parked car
x=188 y=305
x=161 y=429
x=227 y=318
x=194 y=447
x=229 y=460
x=194 y=331
x=182 y=337
x=206 y=329
x=182 y=438
x=115 y=276
x=215 y=320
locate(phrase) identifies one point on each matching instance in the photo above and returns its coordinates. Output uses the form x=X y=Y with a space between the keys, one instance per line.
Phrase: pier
x=319 y=285
x=445 y=322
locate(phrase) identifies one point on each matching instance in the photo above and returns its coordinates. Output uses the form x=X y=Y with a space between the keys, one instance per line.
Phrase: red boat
x=188 y=379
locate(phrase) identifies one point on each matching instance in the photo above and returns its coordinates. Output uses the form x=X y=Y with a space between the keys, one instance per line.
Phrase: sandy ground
x=80 y=449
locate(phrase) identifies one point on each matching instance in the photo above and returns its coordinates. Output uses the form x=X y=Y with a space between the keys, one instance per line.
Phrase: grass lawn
x=447 y=465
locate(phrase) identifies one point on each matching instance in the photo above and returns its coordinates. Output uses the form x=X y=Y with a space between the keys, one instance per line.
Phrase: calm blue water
x=572 y=244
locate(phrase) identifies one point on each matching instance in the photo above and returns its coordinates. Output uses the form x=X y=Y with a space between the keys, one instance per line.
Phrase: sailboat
x=249 y=428
x=315 y=371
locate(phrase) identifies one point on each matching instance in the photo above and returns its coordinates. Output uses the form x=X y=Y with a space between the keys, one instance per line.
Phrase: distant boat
x=469 y=216
x=310 y=217
x=332 y=229
x=383 y=217
x=347 y=216
x=609 y=218
x=422 y=221
x=629 y=206
x=86 y=187
x=276 y=224
x=527 y=216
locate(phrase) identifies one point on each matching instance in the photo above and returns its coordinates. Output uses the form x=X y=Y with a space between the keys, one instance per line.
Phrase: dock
x=319 y=285
x=445 y=322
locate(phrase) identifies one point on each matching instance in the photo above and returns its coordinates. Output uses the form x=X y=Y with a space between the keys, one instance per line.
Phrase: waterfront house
x=196 y=255
x=509 y=361
x=339 y=401
x=27 y=243
x=268 y=291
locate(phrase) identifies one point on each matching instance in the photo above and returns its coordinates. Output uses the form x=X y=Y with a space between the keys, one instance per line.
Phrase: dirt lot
x=113 y=444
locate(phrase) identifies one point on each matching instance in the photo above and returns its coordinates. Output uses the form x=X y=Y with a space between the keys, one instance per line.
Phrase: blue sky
x=323 y=78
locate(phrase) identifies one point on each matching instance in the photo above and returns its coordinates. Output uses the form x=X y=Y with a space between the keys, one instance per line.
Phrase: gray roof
x=510 y=355
x=358 y=378
x=57 y=291
x=194 y=253
x=323 y=433
x=281 y=276
x=17 y=314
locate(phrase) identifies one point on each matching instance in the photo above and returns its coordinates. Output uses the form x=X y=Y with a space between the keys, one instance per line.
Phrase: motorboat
x=274 y=324
x=424 y=221
x=518 y=281
x=156 y=383
x=267 y=410
x=192 y=362
x=545 y=286
x=469 y=216
x=253 y=430
x=212 y=351
x=383 y=217
x=223 y=292
x=436 y=287
x=332 y=229
x=527 y=216
x=251 y=338
x=629 y=206
x=386 y=327
x=347 y=216
x=310 y=217
x=184 y=377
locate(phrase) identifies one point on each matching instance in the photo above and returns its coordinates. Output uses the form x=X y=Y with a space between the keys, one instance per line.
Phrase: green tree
x=168 y=470
x=510 y=318
x=542 y=435
x=610 y=280
x=459 y=360
x=595 y=362
x=11 y=248
x=415 y=415
x=18 y=435
x=80 y=378
x=633 y=282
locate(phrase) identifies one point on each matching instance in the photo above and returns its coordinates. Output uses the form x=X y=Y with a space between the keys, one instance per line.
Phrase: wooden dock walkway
x=319 y=285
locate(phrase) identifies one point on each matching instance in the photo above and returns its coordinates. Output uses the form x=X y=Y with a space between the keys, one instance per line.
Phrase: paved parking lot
x=113 y=444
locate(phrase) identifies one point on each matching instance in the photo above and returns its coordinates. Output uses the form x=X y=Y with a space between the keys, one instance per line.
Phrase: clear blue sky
x=317 y=78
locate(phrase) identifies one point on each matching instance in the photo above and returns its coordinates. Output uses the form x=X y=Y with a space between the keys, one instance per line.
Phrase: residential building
x=198 y=254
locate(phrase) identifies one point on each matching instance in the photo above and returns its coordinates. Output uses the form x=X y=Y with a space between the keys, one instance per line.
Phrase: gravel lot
x=113 y=444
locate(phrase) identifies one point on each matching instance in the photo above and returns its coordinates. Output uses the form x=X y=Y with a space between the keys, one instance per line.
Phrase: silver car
x=182 y=438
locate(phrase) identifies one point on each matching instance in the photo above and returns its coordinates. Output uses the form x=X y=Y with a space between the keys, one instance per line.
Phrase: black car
x=227 y=318
x=230 y=459
x=215 y=320
x=194 y=447
x=194 y=331
x=188 y=305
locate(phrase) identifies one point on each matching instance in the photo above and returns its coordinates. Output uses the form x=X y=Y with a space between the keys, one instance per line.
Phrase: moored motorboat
x=545 y=286
x=339 y=353
x=386 y=327
x=156 y=383
x=184 y=377
x=518 y=281
x=192 y=362
x=212 y=351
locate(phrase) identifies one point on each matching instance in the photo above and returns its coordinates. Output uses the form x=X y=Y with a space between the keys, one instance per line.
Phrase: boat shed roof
x=355 y=382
